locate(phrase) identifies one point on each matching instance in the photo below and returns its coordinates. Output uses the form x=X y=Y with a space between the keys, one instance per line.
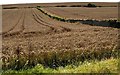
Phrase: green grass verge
x=103 y=66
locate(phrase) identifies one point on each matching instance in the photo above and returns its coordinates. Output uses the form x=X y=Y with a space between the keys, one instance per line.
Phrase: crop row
x=28 y=55
x=23 y=59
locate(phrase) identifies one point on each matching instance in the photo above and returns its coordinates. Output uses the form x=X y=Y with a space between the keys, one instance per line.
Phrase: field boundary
x=92 y=22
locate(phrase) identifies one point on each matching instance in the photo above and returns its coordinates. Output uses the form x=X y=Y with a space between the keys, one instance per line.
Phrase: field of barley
x=47 y=38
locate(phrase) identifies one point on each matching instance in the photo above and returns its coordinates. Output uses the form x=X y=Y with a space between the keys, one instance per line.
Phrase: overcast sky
x=50 y=1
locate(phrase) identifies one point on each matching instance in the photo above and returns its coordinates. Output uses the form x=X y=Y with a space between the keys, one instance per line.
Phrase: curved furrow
x=41 y=18
x=24 y=26
x=16 y=33
x=32 y=27
x=59 y=28
x=41 y=22
x=4 y=33
x=53 y=27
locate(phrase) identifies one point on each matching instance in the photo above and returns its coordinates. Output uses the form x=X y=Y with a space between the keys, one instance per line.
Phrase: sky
x=50 y=1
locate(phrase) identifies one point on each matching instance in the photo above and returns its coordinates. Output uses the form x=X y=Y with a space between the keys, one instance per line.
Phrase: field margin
x=92 y=22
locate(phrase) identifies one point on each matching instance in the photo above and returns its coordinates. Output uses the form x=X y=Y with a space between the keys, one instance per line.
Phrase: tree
x=91 y=5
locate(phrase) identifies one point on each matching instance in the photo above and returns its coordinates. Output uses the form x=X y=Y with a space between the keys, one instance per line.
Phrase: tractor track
x=22 y=27
x=41 y=22
x=63 y=29
x=4 y=33
x=40 y=18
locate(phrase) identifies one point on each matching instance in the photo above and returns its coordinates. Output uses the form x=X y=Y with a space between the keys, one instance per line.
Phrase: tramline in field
x=30 y=37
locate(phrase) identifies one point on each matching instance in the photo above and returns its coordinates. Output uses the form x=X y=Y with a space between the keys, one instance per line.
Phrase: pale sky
x=50 y=1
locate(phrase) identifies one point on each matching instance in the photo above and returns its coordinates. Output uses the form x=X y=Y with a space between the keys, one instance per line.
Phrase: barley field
x=43 y=38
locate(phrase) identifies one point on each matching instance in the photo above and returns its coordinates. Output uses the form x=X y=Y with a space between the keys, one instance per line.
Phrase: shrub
x=91 y=5
x=75 y=6
x=61 y=6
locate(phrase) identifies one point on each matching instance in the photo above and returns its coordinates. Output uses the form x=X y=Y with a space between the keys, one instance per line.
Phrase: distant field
x=106 y=4
x=99 y=13
x=30 y=37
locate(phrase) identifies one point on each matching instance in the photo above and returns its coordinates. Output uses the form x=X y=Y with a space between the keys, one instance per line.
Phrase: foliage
x=54 y=59
x=61 y=6
x=104 y=66
x=10 y=7
x=91 y=5
x=75 y=6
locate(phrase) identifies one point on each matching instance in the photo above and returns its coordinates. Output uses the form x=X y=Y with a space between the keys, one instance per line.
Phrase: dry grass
x=67 y=47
